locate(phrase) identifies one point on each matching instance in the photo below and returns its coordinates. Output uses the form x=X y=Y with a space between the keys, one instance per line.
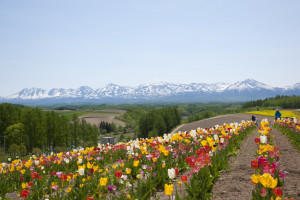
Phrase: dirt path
x=236 y=182
x=290 y=162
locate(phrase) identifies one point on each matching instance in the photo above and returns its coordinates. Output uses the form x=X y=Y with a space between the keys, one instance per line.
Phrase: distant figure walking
x=254 y=120
x=277 y=114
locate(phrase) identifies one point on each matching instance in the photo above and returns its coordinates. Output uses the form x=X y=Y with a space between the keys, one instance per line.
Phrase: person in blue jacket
x=277 y=114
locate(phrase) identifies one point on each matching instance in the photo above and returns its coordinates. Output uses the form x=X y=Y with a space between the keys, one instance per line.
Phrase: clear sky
x=70 y=43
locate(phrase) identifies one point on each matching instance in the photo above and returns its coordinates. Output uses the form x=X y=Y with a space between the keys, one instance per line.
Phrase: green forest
x=283 y=102
x=158 y=121
x=33 y=130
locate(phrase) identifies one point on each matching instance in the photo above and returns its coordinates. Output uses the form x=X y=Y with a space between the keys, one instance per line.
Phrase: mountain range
x=246 y=90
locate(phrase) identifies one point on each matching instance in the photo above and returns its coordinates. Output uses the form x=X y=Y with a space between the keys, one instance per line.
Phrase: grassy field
x=69 y=113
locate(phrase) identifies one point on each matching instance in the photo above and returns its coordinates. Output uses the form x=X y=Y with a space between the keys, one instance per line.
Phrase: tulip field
x=142 y=168
x=133 y=170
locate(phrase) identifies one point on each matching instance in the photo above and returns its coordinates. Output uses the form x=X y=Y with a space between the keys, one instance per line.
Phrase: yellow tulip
x=168 y=189
x=267 y=181
x=69 y=189
x=166 y=153
x=136 y=163
x=103 y=181
x=255 y=178
x=89 y=165
x=128 y=171
x=24 y=185
x=204 y=142
x=180 y=184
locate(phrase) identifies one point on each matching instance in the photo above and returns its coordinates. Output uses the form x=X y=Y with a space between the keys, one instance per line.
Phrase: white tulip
x=36 y=162
x=216 y=137
x=171 y=173
x=263 y=139
x=81 y=171
x=222 y=140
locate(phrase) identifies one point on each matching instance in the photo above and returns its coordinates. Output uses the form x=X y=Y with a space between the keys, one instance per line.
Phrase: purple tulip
x=283 y=174
x=109 y=188
x=275 y=165
x=149 y=156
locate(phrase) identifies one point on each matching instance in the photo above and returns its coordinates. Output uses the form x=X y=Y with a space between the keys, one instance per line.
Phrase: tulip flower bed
x=268 y=179
x=133 y=170
x=291 y=128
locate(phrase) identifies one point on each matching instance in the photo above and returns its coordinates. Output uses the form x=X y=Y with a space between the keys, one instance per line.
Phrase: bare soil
x=96 y=118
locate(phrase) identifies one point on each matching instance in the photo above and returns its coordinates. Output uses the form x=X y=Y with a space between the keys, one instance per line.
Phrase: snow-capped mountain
x=246 y=90
x=249 y=84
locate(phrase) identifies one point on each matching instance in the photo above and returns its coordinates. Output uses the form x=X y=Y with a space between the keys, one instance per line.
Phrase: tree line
x=30 y=128
x=159 y=121
x=106 y=127
x=279 y=101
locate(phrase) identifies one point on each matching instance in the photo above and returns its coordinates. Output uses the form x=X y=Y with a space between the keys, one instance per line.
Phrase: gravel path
x=236 y=182
x=290 y=162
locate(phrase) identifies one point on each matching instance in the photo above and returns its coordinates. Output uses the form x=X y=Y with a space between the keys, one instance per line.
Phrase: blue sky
x=70 y=43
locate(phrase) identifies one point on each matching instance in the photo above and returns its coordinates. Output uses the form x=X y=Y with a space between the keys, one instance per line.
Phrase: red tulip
x=207 y=148
x=192 y=163
x=92 y=170
x=277 y=191
x=188 y=160
x=24 y=194
x=184 y=178
x=34 y=175
x=30 y=183
x=263 y=192
x=176 y=171
x=254 y=164
x=118 y=174
x=90 y=198
x=257 y=140
x=64 y=177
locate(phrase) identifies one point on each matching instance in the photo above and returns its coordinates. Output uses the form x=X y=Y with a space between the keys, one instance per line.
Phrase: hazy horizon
x=68 y=44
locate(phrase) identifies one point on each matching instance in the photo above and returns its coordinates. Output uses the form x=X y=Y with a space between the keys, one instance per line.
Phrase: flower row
x=268 y=178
